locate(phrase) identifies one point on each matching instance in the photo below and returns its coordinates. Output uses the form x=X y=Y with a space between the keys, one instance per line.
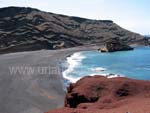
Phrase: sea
x=132 y=64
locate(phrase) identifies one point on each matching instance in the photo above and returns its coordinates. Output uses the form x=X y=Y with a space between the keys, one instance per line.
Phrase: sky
x=133 y=15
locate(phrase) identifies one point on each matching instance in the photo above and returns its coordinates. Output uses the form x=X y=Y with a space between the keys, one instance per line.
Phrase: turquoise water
x=133 y=64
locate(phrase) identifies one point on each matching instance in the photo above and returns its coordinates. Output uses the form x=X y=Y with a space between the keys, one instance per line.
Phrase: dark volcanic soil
x=26 y=29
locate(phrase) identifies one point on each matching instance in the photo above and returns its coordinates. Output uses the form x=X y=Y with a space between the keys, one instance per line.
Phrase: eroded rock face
x=25 y=29
x=115 y=44
x=107 y=95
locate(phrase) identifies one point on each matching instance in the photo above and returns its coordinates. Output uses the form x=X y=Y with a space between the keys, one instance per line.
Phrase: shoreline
x=69 y=80
x=36 y=93
x=69 y=52
x=106 y=71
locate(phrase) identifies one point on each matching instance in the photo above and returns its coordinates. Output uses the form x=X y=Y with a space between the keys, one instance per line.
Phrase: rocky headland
x=115 y=44
x=99 y=94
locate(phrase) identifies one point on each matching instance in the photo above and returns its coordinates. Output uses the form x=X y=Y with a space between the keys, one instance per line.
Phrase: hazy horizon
x=129 y=14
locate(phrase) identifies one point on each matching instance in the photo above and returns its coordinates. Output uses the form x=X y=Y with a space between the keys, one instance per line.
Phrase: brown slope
x=24 y=29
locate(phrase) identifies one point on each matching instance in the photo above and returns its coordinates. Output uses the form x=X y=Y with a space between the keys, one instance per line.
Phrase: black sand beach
x=33 y=92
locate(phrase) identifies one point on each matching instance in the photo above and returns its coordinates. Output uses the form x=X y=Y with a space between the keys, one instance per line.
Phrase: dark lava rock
x=22 y=27
x=115 y=44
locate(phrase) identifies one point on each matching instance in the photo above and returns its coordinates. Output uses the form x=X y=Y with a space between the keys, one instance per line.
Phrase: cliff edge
x=99 y=94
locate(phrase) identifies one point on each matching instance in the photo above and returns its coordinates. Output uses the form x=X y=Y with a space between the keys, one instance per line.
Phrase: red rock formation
x=102 y=95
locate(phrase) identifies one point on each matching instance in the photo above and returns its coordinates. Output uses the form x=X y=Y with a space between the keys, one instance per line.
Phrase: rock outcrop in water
x=115 y=44
x=148 y=37
x=107 y=95
x=25 y=29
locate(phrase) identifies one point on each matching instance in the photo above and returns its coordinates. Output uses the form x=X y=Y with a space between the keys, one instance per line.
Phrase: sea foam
x=97 y=69
x=73 y=61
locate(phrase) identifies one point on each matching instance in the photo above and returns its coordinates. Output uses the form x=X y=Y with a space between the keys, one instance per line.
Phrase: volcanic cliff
x=24 y=29
x=99 y=94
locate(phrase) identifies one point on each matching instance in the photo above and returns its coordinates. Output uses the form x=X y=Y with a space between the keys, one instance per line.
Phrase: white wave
x=98 y=69
x=71 y=79
x=73 y=61
x=108 y=75
x=114 y=75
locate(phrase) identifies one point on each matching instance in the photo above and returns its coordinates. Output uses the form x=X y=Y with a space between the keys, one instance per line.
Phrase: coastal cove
x=81 y=57
x=132 y=64
x=49 y=87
